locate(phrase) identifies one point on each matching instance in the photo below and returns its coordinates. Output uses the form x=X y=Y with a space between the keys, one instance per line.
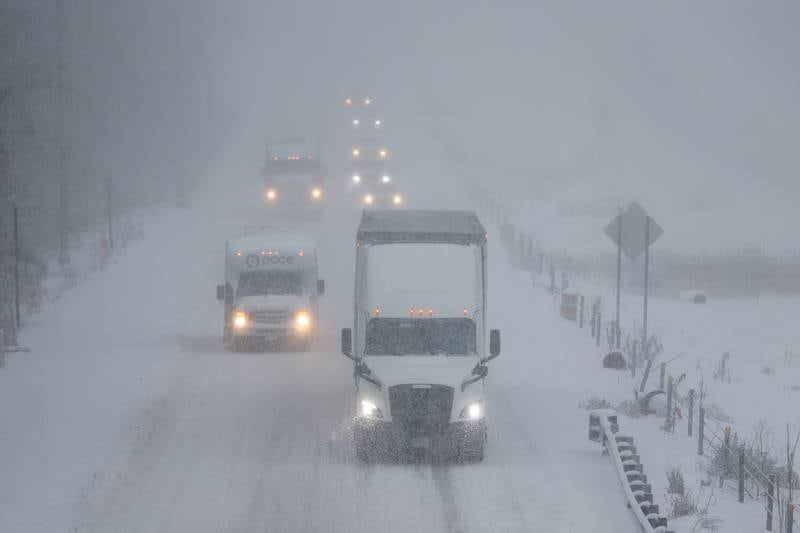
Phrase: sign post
x=633 y=231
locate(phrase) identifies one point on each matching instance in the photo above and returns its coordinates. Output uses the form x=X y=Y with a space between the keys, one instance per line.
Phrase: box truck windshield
x=266 y=283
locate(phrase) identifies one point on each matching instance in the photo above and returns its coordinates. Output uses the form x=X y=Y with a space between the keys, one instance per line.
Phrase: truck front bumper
x=390 y=438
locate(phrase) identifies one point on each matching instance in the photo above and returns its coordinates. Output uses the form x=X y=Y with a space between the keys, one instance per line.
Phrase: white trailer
x=419 y=339
x=272 y=289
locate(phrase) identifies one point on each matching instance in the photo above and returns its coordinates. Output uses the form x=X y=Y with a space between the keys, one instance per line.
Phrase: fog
x=149 y=120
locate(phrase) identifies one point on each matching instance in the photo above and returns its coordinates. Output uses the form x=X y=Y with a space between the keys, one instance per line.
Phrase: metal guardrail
x=603 y=428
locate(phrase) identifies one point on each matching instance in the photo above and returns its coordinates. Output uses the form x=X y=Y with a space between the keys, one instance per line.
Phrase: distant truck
x=419 y=341
x=294 y=177
x=272 y=289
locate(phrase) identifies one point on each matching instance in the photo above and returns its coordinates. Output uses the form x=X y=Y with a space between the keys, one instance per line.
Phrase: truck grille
x=271 y=317
x=421 y=409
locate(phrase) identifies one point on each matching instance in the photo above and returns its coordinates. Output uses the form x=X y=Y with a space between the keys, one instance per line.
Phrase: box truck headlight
x=397 y=200
x=368 y=199
x=473 y=411
x=370 y=410
x=271 y=194
x=240 y=320
x=316 y=193
x=302 y=320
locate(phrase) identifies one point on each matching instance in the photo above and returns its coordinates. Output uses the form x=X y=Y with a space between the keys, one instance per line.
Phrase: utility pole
x=617 y=334
x=110 y=212
x=16 y=265
x=63 y=251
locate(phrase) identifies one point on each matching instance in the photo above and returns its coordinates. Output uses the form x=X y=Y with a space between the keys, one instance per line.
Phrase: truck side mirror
x=494 y=343
x=220 y=292
x=347 y=342
x=320 y=286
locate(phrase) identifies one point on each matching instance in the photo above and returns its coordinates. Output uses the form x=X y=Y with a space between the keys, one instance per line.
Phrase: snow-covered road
x=129 y=416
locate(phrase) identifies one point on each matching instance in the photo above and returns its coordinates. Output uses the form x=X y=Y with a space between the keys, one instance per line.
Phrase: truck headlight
x=368 y=199
x=356 y=178
x=397 y=200
x=240 y=320
x=473 y=411
x=271 y=194
x=302 y=320
x=316 y=193
x=370 y=410
x=386 y=179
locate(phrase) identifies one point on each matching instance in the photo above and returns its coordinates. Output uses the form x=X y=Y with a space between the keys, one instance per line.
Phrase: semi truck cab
x=419 y=341
x=272 y=289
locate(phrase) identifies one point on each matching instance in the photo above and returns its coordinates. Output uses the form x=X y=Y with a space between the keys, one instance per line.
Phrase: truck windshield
x=264 y=283
x=420 y=336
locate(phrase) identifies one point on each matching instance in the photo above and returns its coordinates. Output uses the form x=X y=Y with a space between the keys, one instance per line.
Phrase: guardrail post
x=725 y=455
x=741 y=475
x=770 y=500
x=691 y=411
x=701 y=422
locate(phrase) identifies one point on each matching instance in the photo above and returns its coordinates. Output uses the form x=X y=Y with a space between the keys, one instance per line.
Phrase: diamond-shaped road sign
x=634 y=223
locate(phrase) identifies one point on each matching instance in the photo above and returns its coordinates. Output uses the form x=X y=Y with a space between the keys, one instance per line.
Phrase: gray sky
x=689 y=106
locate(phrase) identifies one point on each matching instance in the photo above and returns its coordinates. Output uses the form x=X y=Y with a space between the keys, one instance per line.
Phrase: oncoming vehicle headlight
x=356 y=178
x=302 y=320
x=473 y=411
x=368 y=199
x=316 y=193
x=240 y=320
x=397 y=200
x=370 y=410
x=386 y=179
x=271 y=194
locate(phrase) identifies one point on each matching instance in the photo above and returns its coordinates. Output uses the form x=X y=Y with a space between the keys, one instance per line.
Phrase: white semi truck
x=294 y=178
x=419 y=341
x=272 y=289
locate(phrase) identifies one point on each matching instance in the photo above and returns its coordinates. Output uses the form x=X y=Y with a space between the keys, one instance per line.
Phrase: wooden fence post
x=701 y=421
x=741 y=475
x=599 y=327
